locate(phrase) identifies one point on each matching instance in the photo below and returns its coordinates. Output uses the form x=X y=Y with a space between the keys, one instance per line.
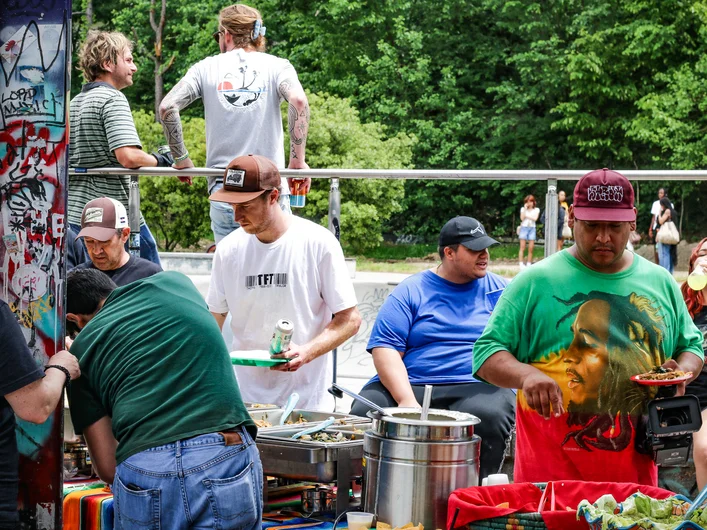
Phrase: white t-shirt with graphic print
x=301 y=277
x=241 y=106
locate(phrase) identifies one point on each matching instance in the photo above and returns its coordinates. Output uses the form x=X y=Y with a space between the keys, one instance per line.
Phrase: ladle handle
x=360 y=398
x=426 y=400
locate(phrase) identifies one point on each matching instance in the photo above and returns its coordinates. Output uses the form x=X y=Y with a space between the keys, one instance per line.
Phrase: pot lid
x=435 y=417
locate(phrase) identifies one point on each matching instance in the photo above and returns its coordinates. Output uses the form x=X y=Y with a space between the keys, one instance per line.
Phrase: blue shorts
x=527 y=233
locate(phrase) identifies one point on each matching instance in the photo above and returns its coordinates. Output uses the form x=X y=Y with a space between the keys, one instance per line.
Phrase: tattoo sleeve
x=297 y=116
x=179 y=97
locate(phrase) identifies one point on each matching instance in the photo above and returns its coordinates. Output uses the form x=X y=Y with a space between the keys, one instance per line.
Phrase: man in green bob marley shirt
x=571 y=331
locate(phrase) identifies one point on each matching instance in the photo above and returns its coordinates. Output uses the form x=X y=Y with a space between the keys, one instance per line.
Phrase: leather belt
x=231 y=438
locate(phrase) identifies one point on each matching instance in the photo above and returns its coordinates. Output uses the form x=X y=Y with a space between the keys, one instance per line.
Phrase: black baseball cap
x=465 y=231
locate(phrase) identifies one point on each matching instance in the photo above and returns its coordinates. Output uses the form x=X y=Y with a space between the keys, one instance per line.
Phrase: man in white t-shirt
x=242 y=88
x=280 y=266
x=653 y=229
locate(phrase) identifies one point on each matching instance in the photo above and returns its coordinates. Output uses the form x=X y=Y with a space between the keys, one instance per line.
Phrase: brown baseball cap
x=101 y=217
x=245 y=178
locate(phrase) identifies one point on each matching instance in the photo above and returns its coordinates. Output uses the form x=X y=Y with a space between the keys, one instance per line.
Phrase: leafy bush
x=177 y=213
x=338 y=139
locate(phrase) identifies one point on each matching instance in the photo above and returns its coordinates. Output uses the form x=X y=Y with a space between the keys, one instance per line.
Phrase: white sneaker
x=521 y=265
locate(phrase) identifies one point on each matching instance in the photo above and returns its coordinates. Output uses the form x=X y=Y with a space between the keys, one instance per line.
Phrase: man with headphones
x=242 y=88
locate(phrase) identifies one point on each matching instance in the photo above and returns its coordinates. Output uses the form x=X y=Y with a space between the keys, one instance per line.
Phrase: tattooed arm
x=297 y=121
x=179 y=97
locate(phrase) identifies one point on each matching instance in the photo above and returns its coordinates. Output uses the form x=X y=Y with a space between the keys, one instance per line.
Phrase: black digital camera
x=668 y=427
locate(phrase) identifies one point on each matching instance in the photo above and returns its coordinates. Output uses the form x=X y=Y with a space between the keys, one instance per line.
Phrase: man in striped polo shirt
x=102 y=131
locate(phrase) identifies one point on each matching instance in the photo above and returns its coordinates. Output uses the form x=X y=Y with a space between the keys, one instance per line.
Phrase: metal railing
x=551 y=176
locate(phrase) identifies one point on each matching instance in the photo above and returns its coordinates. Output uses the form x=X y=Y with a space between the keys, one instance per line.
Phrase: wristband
x=66 y=372
x=181 y=158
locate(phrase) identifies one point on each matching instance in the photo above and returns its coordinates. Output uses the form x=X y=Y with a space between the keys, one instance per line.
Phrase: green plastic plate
x=255 y=358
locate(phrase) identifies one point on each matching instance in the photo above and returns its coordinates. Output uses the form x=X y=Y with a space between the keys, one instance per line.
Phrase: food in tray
x=261 y=424
x=662 y=374
x=408 y=526
x=299 y=420
x=262 y=406
x=325 y=437
x=638 y=511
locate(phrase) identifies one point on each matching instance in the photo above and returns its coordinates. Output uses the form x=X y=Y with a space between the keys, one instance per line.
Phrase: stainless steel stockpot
x=411 y=466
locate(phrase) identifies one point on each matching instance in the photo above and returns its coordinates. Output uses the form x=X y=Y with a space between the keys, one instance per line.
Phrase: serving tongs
x=339 y=391
x=289 y=407
x=696 y=504
x=318 y=427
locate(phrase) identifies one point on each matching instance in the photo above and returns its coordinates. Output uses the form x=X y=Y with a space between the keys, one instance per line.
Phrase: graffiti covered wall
x=34 y=39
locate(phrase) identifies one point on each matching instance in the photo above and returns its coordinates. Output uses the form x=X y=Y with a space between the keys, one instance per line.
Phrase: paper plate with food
x=660 y=376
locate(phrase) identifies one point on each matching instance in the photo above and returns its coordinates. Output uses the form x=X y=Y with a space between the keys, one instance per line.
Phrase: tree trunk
x=89 y=13
x=157 y=58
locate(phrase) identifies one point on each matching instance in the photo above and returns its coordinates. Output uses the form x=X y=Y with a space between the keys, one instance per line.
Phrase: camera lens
x=674 y=417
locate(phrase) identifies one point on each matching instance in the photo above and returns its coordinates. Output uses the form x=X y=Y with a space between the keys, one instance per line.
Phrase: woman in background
x=697 y=306
x=529 y=214
x=667 y=254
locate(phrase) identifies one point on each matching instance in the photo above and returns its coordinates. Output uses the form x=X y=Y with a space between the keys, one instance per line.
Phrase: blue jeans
x=194 y=483
x=221 y=213
x=148 y=245
x=527 y=233
x=665 y=258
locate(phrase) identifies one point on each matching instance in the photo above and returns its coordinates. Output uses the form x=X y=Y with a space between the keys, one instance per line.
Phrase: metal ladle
x=339 y=391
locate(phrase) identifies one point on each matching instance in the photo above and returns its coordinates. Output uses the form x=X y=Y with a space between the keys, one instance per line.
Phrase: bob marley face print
x=614 y=337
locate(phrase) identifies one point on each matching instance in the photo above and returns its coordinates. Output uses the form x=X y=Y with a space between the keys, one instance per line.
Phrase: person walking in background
x=653 y=228
x=529 y=214
x=697 y=307
x=242 y=89
x=564 y=228
x=667 y=254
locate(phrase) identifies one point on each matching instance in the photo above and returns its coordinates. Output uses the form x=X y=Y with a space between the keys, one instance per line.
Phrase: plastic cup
x=298 y=197
x=359 y=520
x=496 y=479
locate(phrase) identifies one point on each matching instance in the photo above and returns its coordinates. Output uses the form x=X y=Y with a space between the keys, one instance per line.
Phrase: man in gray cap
x=425 y=333
x=104 y=229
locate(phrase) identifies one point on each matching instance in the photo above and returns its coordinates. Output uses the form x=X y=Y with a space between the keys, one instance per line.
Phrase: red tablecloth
x=481 y=502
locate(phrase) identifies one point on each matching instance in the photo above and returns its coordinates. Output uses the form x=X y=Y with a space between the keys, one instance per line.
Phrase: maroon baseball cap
x=604 y=195
x=101 y=217
x=245 y=178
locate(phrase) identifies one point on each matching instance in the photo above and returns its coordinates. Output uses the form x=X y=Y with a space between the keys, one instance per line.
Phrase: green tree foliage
x=338 y=139
x=565 y=84
x=177 y=213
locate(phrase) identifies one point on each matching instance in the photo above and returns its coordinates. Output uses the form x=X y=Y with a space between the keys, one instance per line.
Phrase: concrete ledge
x=197 y=263
x=187 y=262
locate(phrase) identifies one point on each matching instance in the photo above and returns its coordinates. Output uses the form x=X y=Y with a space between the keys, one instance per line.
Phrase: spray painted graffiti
x=353 y=359
x=33 y=168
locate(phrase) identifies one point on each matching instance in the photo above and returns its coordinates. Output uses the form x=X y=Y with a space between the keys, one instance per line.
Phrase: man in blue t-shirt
x=425 y=333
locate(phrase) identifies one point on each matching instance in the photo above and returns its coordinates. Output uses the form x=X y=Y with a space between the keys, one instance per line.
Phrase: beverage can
x=298 y=197
x=282 y=336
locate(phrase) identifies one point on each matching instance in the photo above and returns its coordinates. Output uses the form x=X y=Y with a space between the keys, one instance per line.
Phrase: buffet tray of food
x=260 y=406
x=270 y=419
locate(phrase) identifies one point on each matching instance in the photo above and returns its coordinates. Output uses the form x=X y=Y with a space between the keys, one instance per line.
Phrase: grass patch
x=389 y=251
x=401 y=267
